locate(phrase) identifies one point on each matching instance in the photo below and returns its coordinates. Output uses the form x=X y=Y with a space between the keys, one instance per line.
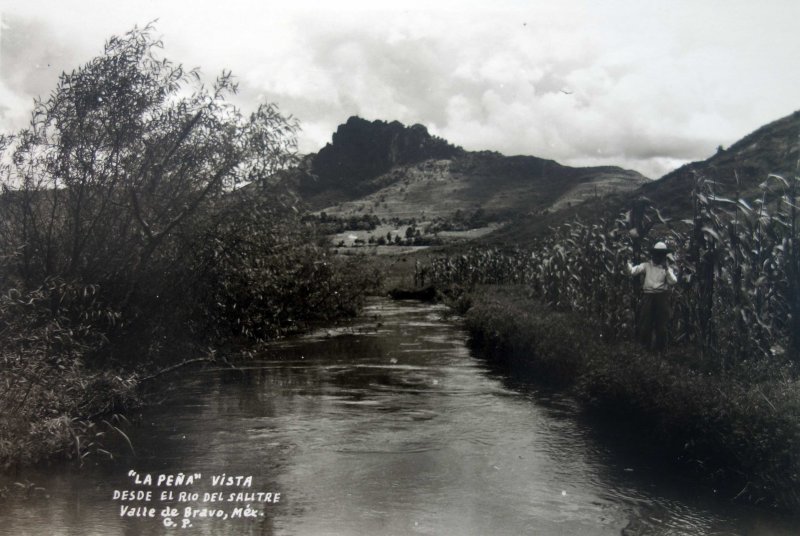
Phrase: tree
x=129 y=147
x=134 y=229
x=120 y=163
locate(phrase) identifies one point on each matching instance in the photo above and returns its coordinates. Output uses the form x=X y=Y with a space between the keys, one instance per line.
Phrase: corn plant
x=738 y=297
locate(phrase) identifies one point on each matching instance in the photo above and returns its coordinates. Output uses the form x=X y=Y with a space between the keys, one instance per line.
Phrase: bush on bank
x=69 y=366
x=138 y=228
x=740 y=428
x=47 y=391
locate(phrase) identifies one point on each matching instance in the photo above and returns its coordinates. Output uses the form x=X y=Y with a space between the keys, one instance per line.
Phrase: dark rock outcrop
x=362 y=150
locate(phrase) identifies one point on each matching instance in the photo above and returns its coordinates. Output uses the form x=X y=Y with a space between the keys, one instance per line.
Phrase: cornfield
x=738 y=265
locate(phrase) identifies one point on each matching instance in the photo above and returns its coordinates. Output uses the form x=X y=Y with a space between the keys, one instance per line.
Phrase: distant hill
x=396 y=172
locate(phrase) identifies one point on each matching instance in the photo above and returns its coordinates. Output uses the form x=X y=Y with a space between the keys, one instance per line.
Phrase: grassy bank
x=740 y=428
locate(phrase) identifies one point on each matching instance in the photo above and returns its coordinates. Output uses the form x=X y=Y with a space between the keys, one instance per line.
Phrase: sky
x=646 y=85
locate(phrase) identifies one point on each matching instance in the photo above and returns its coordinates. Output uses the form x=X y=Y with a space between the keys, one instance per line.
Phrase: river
x=390 y=425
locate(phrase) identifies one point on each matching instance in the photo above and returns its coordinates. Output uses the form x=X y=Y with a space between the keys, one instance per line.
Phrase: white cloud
x=13 y=108
x=644 y=84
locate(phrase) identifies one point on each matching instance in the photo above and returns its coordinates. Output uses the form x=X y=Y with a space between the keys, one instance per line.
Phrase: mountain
x=361 y=151
x=391 y=171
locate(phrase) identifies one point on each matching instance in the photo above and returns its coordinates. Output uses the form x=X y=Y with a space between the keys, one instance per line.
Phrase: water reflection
x=387 y=426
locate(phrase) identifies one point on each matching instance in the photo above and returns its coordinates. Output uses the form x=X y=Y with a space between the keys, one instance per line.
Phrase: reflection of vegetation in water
x=739 y=428
x=136 y=227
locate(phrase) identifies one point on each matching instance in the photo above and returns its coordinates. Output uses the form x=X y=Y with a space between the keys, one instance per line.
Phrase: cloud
x=12 y=108
x=25 y=68
x=624 y=83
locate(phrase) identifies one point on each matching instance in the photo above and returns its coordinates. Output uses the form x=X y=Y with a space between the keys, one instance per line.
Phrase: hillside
x=773 y=148
x=501 y=187
x=393 y=172
x=398 y=175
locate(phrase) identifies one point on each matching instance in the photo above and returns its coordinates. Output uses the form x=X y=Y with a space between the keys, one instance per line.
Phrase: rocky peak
x=361 y=150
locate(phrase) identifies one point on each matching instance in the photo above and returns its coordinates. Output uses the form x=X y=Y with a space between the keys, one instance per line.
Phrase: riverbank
x=69 y=377
x=423 y=437
x=740 y=428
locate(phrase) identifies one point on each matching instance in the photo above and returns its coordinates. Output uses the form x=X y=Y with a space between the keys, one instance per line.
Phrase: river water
x=388 y=426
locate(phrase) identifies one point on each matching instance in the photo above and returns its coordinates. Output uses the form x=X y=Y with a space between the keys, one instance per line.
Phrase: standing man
x=654 y=309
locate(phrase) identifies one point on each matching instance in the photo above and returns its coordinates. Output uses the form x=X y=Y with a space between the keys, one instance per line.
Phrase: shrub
x=48 y=392
x=136 y=218
x=118 y=167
